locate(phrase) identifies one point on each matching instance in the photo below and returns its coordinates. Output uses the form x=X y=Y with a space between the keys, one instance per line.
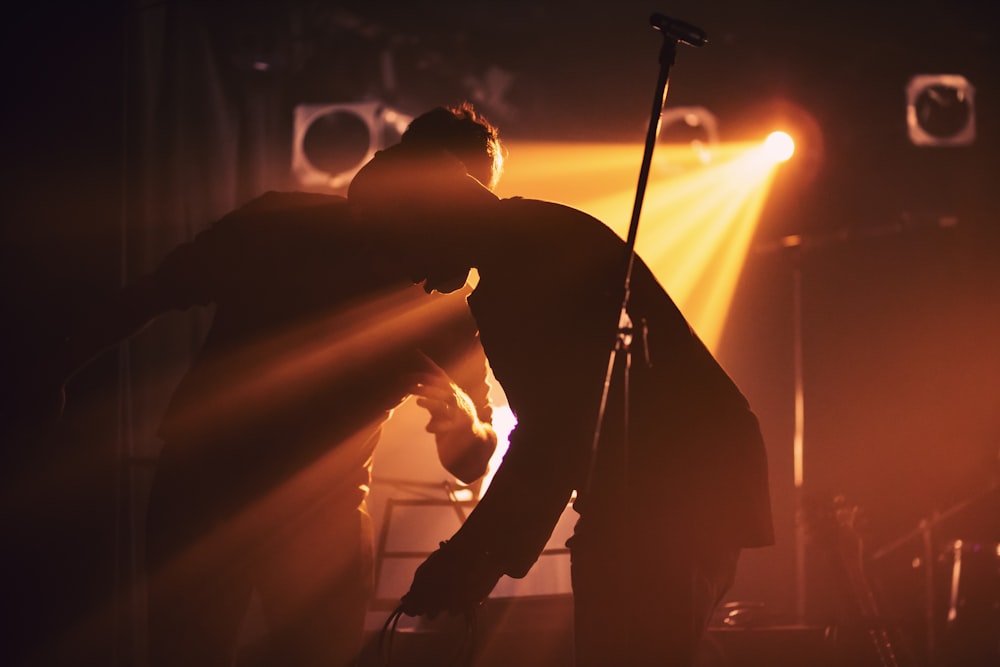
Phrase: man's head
x=426 y=196
x=427 y=213
x=463 y=133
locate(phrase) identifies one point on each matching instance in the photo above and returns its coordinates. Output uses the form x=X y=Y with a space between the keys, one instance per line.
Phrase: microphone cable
x=464 y=652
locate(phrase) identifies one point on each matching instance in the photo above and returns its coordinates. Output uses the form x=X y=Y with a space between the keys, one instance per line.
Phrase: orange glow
x=504 y=422
x=780 y=146
x=698 y=215
x=290 y=364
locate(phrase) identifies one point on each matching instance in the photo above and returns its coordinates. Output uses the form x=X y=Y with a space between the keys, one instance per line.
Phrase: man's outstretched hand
x=464 y=442
x=451 y=410
x=451 y=580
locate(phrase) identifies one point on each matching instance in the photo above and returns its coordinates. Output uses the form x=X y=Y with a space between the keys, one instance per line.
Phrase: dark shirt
x=547 y=306
x=312 y=343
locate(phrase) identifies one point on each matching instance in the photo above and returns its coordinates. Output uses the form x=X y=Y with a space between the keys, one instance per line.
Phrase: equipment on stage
x=943 y=578
x=867 y=636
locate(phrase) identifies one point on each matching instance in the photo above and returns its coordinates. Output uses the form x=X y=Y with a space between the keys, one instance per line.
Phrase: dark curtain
x=128 y=127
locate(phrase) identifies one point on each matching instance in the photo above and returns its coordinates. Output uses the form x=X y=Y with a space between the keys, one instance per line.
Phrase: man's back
x=548 y=322
x=313 y=341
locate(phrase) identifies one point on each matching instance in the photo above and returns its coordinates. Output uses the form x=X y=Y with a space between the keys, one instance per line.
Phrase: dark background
x=129 y=126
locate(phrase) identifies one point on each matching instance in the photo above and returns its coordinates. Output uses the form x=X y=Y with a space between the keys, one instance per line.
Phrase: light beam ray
x=697 y=218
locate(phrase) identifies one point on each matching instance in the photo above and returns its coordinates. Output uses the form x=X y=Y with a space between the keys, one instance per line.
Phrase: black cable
x=385 y=637
x=463 y=655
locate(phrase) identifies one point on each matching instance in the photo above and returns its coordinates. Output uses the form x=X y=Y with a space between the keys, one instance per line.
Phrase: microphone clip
x=679 y=31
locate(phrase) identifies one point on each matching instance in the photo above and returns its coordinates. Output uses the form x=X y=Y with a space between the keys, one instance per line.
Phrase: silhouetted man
x=665 y=506
x=268 y=440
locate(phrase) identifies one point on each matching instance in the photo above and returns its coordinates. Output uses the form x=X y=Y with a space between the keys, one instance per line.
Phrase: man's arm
x=454 y=388
x=504 y=534
x=465 y=441
x=186 y=277
x=178 y=283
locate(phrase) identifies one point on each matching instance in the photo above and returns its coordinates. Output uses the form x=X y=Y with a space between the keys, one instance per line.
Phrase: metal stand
x=798 y=441
x=926 y=531
x=674 y=32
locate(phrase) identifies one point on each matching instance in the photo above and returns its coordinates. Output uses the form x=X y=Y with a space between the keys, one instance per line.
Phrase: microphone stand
x=674 y=32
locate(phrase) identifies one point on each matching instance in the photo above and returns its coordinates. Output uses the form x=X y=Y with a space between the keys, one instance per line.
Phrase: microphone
x=679 y=30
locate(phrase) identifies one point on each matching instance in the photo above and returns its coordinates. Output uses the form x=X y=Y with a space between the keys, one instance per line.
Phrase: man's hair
x=464 y=133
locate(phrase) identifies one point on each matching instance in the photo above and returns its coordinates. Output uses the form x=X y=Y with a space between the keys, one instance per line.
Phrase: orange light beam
x=699 y=217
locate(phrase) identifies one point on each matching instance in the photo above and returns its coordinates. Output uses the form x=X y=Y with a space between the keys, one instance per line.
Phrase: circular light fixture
x=940 y=110
x=336 y=141
x=331 y=142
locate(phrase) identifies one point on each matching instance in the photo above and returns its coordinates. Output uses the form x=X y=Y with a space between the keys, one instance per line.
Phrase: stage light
x=779 y=146
x=697 y=219
x=805 y=140
x=940 y=110
x=331 y=142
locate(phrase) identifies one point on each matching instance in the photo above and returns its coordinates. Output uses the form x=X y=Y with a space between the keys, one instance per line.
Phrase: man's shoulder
x=275 y=200
x=541 y=219
x=299 y=222
x=284 y=209
x=550 y=210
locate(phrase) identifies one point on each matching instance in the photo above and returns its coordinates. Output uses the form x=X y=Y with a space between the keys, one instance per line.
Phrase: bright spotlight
x=779 y=146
